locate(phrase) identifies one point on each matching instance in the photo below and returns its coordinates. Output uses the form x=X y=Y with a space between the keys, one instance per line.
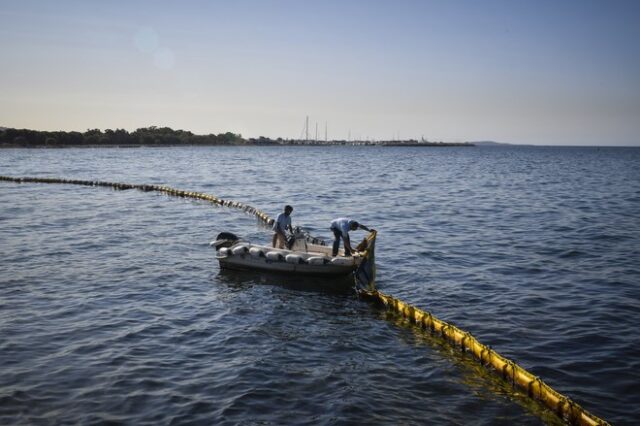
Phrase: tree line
x=148 y=136
x=166 y=136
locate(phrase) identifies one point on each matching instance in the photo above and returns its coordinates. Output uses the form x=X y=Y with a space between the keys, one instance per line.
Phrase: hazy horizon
x=542 y=73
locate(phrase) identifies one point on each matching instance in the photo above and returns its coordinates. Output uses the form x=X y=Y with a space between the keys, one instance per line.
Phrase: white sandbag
x=241 y=249
x=317 y=260
x=274 y=256
x=294 y=258
x=256 y=252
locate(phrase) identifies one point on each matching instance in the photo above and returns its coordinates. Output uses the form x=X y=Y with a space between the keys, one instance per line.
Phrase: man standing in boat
x=280 y=226
x=341 y=228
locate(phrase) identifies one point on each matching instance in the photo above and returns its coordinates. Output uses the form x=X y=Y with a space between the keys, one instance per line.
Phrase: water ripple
x=113 y=310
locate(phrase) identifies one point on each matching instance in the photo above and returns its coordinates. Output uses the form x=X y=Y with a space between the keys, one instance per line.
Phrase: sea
x=114 y=310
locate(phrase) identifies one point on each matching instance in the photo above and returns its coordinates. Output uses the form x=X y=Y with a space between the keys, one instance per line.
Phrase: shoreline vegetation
x=164 y=136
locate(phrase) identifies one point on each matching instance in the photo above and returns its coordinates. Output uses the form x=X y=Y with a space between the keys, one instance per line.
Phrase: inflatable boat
x=303 y=258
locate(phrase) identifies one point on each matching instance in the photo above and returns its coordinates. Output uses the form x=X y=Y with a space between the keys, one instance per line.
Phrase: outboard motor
x=298 y=240
x=224 y=239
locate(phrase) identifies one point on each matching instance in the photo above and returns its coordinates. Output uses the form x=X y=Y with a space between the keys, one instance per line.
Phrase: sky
x=524 y=72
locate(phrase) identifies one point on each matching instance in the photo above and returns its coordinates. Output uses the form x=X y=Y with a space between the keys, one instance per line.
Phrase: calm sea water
x=113 y=308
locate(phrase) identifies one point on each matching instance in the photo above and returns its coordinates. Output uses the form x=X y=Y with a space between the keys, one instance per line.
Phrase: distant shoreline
x=155 y=137
x=166 y=137
x=423 y=145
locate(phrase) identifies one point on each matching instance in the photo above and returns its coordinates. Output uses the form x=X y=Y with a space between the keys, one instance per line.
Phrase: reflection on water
x=244 y=279
x=484 y=382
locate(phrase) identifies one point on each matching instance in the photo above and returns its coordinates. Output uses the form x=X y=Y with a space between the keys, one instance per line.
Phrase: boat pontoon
x=303 y=258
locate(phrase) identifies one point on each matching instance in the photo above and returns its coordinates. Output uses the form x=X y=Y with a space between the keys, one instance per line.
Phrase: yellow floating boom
x=564 y=407
x=157 y=188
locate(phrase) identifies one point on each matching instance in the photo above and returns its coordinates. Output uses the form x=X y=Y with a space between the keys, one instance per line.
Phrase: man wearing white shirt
x=280 y=226
x=341 y=228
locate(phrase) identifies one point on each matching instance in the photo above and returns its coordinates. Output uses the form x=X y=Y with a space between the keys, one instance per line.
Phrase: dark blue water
x=113 y=308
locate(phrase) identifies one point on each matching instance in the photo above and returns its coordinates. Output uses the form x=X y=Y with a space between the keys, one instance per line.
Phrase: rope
x=564 y=407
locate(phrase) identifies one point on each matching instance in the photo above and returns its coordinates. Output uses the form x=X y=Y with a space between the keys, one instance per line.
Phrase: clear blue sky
x=540 y=72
